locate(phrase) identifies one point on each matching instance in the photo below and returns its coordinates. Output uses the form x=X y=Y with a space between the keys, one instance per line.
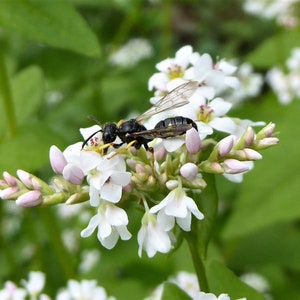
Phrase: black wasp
x=133 y=133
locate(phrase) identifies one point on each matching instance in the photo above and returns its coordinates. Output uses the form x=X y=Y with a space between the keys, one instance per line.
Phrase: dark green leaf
x=55 y=23
x=275 y=50
x=29 y=150
x=173 y=292
x=27 y=90
x=222 y=281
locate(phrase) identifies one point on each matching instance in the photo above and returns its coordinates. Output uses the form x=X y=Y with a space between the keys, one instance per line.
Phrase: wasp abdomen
x=172 y=127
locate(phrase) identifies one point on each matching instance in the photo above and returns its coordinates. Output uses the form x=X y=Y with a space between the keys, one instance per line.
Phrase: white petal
x=191 y=205
x=116 y=215
x=165 y=222
x=220 y=107
x=224 y=124
x=185 y=223
x=111 y=192
x=123 y=232
x=93 y=223
x=120 y=178
x=110 y=241
x=173 y=144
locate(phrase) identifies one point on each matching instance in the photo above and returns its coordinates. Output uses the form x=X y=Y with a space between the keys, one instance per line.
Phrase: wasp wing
x=174 y=99
x=166 y=132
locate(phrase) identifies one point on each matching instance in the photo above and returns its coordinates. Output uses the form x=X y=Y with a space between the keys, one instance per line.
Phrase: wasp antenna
x=87 y=140
x=95 y=120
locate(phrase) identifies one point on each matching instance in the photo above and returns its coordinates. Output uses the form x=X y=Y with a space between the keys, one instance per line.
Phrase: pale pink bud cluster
x=70 y=171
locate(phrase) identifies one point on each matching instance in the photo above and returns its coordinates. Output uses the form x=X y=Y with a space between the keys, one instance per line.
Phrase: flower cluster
x=163 y=173
x=287 y=84
x=282 y=11
x=33 y=289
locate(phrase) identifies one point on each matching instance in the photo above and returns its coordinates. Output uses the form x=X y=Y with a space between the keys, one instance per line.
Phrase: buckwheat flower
x=85 y=289
x=152 y=237
x=111 y=222
x=131 y=53
x=57 y=160
x=35 y=283
x=187 y=282
x=171 y=69
x=12 y=292
x=106 y=177
x=210 y=296
x=176 y=206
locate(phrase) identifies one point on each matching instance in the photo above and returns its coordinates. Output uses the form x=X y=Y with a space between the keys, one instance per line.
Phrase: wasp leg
x=121 y=150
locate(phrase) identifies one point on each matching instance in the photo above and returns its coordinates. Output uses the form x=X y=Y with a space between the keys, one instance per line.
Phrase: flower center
x=175 y=71
x=205 y=113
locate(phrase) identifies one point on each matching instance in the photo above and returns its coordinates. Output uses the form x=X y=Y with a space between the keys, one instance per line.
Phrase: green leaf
x=275 y=50
x=27 y=91
x=173 y=292
x=29 y=150
x=221 y=280
x=270 y=193
x=55 y=23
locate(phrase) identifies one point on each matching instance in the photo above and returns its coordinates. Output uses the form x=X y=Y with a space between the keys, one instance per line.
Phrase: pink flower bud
x=189 y=171
x=9 y=193
x=160 y=153
x=234 y=166
x=73 y=174
x=249 y=136
x=267 y=142
x=10 y=180
x=26 y=178
x=57 y=160
x=252 y=154
x=225 y=145
x=29 y=199
x=192 y=141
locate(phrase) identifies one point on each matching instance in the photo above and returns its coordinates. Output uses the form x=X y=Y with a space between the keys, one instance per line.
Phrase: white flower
x=12 y=292
x=176 y=206
x=187 y=282
x=35 y=283
x=151 y=237
x=131 y=53
x=256 y=281
x=86 y=289
x=171 y=69
x=106 y=177
x=210 y=296
x=111 y=222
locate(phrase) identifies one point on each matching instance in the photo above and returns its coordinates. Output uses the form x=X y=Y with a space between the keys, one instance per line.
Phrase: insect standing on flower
x=133 y=133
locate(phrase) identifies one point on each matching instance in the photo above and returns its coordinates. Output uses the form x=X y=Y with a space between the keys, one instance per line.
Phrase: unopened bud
x=189 y=171
x=193 y=141
x=25 y=177
x=73 y=174
x=248 y=136
x=267 y=131
x=9 y=193
x=78 y=198
x=225 y=145
x=234 y=166
x=266 y=143
x=172 y=184
x=10 y=180
x=211 y=167
x=29 y=199
x=57 y=160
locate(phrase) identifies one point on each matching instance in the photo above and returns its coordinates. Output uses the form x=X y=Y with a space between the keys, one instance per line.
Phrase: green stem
x=192 y=240
x=201 y=231
x=6 y=95
x=208 y=205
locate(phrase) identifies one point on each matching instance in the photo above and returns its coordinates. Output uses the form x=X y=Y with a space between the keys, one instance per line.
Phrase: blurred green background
x=55 y=70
